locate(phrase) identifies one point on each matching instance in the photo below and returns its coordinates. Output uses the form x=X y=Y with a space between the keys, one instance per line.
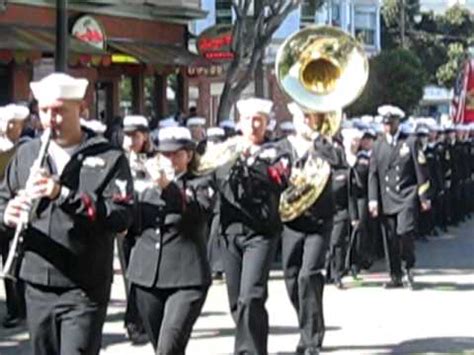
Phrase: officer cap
x=287 y=126
x=227 y=124
x=389 y=113
x=14 y=112
x=171 y=139
x=134 y=123
x=168 y=122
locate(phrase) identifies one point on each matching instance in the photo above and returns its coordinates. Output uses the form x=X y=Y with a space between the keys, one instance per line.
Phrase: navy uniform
x=305 y=240
x=361 y=249
x=68 y=247
x=169 y=270
x=398 y=181
x=134 y=125
x=9 y=141
x=249 y=191
x=336 y=259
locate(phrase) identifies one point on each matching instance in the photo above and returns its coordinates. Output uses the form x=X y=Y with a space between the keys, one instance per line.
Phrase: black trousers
x=214 y=253
x=63 y=321
x=14 y=291
x=361 y=249
x=124 y=248
x=336 y=258
x=169 y=315
x=247 y=260
x=303 y=256
x=398 y=248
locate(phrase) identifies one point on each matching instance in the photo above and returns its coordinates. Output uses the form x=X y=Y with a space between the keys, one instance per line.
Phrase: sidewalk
x=362 y=319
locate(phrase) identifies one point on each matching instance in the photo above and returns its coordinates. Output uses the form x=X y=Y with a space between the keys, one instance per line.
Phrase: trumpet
x=10 y=268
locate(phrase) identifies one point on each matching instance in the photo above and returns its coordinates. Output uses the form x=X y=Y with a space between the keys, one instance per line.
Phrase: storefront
x=131 y=57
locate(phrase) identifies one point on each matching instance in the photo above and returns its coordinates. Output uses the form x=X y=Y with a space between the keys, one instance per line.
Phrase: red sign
x=215 y=43
x=88 y=29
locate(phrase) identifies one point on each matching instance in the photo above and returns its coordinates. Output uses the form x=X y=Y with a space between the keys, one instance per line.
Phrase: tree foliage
x=396 y=77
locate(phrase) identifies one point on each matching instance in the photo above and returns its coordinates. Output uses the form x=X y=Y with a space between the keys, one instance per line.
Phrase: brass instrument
x=322 y=69
x=221 y=153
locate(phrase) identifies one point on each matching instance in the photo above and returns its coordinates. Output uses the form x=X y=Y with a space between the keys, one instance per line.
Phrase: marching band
x=335 y=198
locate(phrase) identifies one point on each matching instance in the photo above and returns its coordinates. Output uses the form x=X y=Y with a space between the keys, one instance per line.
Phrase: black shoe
x=338 y=283
x=354 y=271
x=11 y=321
x=300 y=349
x=137 y=334
x=311 y=351
x=395 y=282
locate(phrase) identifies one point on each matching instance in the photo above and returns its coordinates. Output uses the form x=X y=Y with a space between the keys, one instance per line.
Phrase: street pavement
x=436 y=317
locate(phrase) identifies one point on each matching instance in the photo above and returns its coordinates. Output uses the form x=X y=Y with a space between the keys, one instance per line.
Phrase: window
x=365 y=26
x=223 y=12
x=308 y=12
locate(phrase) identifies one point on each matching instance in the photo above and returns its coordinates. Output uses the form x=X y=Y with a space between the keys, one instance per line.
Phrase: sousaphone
x=322 y=69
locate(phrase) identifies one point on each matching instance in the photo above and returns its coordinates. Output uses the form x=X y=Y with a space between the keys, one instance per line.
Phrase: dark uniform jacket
x=398 y=175
x=358 y=182
x=250 y=190
x=324 y=207
x=435 y=170
x=70 y=240
x=171 y=248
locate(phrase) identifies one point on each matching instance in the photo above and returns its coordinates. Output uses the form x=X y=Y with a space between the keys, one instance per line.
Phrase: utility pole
x=259 y=71
x=62 y=37
x=402 y=23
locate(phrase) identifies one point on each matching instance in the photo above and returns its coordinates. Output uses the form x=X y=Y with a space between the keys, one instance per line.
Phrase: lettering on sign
x=213 y=70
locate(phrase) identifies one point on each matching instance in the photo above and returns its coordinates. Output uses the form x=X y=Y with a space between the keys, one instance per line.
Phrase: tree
x=398 y=18
x=251 y=35
x=448 y=72
x=396 y=77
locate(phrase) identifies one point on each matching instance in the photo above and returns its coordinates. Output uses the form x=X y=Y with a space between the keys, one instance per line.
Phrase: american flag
x=462 y=105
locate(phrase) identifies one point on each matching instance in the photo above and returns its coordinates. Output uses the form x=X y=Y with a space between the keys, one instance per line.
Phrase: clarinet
x=9 y=270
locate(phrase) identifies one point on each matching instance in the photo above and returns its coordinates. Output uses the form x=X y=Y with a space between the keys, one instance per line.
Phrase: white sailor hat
x=215 y=132
x=227 y=124
x=94 y=125
x=254 y=106
x=168 y=122
x=134 y=123
x=296 y=111
x=58 y=86
x=367 y=118
x=195 y=121
x=14 y=112
x=171 y=139
x=389 y=112
x=422 y=129
x=287 y=126
x=407 y=128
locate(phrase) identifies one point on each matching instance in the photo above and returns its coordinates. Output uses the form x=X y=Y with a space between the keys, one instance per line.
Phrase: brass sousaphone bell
x=322 y=69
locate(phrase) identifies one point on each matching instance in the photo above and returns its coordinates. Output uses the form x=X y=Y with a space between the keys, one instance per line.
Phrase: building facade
x=360 y=18
x=132 y=52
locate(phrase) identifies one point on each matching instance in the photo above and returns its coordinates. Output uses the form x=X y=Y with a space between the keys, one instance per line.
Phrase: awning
x=33 y=41
x=157 y=54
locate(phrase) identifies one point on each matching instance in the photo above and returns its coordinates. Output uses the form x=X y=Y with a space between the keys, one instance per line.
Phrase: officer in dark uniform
x=398 y=183
x=454 y=168
x=198 y=132
x=249 y=188
x=305 y=239
x=85 y=193
x=168 y=268
x=446 y=171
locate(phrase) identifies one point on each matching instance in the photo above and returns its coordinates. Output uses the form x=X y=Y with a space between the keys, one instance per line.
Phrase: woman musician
x=168 y=269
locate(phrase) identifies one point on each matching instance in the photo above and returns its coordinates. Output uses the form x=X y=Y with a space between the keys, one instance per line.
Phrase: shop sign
x=215 y=43
x=212 y=71
x=89 y=30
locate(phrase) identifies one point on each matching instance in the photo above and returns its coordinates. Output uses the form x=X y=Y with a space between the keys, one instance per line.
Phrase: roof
x=156 y=54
